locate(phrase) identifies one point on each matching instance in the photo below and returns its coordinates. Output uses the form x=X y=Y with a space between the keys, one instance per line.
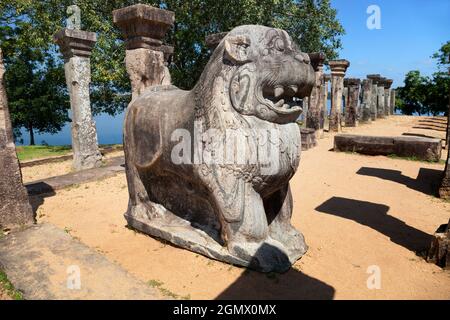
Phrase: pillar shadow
x=292 y=285
x=37 y=192
x=375 y=216
x=427 y=181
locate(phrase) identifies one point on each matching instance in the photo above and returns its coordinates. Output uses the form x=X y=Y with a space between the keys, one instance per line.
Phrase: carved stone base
x=206 y=240
x=308 y=138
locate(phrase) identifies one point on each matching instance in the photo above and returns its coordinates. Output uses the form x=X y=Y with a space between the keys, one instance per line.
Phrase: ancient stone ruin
x=146 y=56
x=15 y=208
x=338 y=69
x=235 y=205
x=76 y=46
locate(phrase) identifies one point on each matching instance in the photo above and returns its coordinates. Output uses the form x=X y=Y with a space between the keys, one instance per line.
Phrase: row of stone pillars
x=352 y=101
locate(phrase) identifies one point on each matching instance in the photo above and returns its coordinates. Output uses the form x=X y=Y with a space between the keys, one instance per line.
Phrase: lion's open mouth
x=282 y=99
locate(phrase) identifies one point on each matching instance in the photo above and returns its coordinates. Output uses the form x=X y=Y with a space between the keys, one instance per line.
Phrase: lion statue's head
x=267 y=74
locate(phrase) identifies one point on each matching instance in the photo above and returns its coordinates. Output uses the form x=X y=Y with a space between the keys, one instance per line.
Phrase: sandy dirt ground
x=358 y=214
x=34 y=173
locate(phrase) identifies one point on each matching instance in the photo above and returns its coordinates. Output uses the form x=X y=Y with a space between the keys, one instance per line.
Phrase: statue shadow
x=427 y=181
x=376 y=216
x=291 y=285
x=37 y=192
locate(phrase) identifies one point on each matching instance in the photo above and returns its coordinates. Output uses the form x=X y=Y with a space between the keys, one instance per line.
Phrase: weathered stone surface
x=15 y=209
x=213 y=40
x=366 y=101
x=146 y=59
x=76 y=46
x=387 y=96
x=44 y=262
x=180 y=187
x=324 y=109
x=418 y=147
x=313 y=115
x=351 y=109
x=374 y=103
x=439 y=252
x=381 y=99
x=392 y=103
x=308 y=137
x=338 y=69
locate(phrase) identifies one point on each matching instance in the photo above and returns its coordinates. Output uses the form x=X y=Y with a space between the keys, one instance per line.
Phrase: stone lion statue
x=209 y=169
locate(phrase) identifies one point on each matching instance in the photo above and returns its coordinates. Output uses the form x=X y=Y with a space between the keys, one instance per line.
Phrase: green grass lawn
x=39 y=151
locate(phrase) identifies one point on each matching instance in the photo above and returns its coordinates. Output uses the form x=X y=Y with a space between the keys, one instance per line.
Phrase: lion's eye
x=279 y=45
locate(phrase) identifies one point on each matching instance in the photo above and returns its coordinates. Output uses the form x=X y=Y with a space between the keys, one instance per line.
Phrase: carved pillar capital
x=339 y=67
x=74 y=42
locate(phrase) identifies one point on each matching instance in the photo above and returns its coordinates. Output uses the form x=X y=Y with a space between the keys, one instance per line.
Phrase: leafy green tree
x=31 y=24
x=412 y=96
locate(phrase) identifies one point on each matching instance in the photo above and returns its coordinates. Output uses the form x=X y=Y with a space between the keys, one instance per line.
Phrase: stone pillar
x=344 y=104
x=387 y=97
x=366 y=100
x=380 y=99
x=76 y=47
x=338 y=69
x=392 y=104
x=15 y=208
x=351 y=109
x=374 y=103
x=315 y=99
x=144 y=27
x=324 y=108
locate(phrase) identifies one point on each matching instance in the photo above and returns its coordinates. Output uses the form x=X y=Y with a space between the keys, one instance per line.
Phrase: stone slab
x=51 y=184
x=43 y=261
x=422 y=148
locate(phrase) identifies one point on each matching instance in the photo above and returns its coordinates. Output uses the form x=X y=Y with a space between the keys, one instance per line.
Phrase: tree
x=311 y=23
x=412 y=96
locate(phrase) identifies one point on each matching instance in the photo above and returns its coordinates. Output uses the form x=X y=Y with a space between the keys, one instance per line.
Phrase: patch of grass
x=412 y=158
x=41 y=151
x=6 y=286
x=159 y=285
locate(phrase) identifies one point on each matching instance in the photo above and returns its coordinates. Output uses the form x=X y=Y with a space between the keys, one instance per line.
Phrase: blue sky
x=411 y=31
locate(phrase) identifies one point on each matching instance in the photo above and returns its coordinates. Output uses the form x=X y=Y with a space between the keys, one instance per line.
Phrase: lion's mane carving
x=234 y=211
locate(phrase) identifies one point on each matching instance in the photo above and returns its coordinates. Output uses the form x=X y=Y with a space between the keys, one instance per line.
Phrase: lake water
x=109 y=131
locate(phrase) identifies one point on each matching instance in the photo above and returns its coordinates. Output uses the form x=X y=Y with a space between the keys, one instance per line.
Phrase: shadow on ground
x=430 y=127
x=291 y=285
x=37 y=193
x=375 y=216
x=427 y=181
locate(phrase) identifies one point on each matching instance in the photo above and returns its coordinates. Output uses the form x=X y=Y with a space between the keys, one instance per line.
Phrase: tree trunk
x=30 y=130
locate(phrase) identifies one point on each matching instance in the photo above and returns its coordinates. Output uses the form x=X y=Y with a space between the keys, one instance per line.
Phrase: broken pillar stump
x=426 y=149
x=439 y=252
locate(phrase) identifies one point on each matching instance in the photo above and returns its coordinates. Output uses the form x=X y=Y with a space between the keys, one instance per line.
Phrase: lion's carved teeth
x=278 y=92
x=279 y=104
